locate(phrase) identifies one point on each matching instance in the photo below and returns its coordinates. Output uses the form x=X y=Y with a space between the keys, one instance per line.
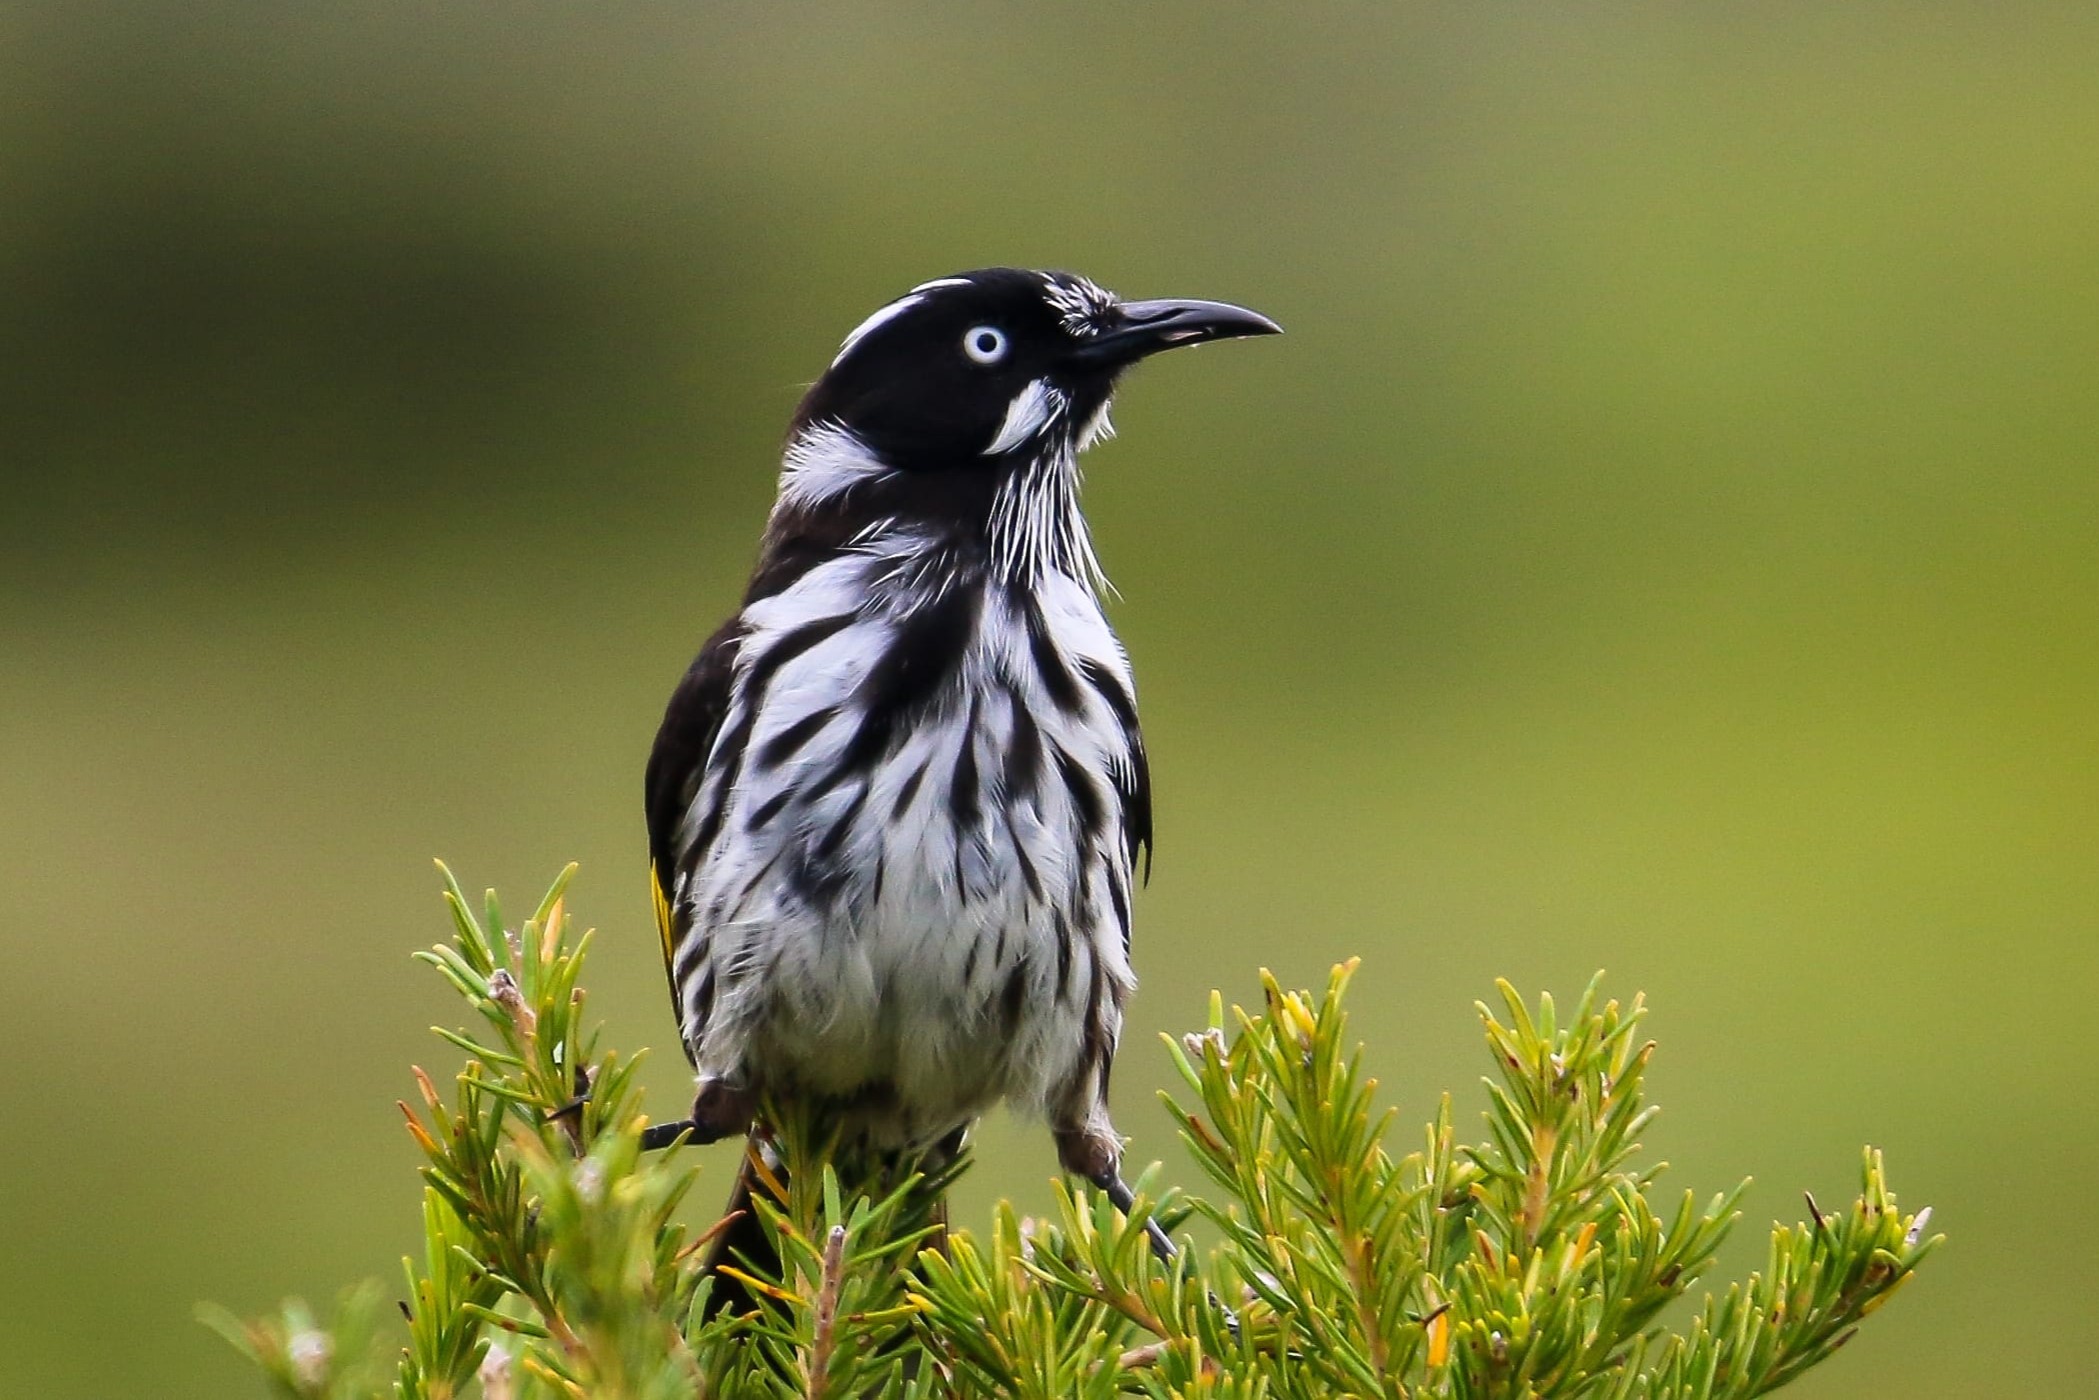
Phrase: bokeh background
x=1667 y=541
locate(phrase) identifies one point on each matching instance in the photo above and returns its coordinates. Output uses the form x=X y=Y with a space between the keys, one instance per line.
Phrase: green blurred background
x=1667 y=541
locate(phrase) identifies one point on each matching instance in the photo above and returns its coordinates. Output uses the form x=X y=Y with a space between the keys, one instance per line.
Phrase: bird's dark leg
x=1092 y=1151
x=658 y=1136
x=717 y=1112
x=1119 y=1195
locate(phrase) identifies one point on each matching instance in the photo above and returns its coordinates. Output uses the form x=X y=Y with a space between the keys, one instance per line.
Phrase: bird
x=897 y=804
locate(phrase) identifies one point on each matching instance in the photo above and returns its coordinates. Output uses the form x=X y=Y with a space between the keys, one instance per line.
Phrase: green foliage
x=1533 y=1264
x=304 y=1360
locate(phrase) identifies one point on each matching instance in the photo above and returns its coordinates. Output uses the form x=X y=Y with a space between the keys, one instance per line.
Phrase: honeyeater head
x=965 y=371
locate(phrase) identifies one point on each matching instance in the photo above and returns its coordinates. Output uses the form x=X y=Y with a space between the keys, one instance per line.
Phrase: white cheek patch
x=1029 y=413
x=884 y=316
x=823 y=462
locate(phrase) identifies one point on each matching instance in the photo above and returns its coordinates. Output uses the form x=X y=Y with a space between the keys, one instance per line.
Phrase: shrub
x=1534 y=1263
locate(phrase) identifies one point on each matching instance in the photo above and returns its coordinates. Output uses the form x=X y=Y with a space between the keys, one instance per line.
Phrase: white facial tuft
x=1032 y=410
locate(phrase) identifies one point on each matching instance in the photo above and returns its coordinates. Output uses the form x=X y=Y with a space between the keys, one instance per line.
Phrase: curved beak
x=1146 y=327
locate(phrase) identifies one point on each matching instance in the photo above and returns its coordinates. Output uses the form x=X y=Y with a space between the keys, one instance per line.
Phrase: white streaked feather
x=1036 y=527
x=884 y=985
x=1032 y=410
x=1079 y=303
x=1099 y=428
x=824 y=462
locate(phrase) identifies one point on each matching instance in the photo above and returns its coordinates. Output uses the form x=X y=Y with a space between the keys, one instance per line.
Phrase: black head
x=967 y=371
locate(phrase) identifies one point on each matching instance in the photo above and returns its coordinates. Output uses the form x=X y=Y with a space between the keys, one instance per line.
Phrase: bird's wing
x=1131 y=778
x=1136 y=795
x=1132 y=781
x=677 y=766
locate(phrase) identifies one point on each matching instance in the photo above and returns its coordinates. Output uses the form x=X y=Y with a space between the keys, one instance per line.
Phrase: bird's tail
x=741 y=1241
x=744 y=1249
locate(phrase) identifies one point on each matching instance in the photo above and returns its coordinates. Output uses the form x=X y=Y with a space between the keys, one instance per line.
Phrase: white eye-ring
x=984 y=344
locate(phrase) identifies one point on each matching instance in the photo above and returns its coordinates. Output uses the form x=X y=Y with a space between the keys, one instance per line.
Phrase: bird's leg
x=718 y=1111
x=1095 y=1153
x=1119 y=1195
x=658 y=1136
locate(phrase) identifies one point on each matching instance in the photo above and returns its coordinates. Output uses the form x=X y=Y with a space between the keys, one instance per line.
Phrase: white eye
x=984 y=344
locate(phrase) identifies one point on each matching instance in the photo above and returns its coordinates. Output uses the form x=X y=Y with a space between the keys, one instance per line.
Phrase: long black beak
x=1146 y=327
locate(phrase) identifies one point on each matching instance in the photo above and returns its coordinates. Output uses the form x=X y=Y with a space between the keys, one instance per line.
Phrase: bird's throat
x=1036 y=527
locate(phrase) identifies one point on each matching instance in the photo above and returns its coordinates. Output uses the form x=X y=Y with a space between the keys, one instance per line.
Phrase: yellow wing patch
x=663 y=914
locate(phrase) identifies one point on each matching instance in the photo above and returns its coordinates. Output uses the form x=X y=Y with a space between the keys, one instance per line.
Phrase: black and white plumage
x=897 y=804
